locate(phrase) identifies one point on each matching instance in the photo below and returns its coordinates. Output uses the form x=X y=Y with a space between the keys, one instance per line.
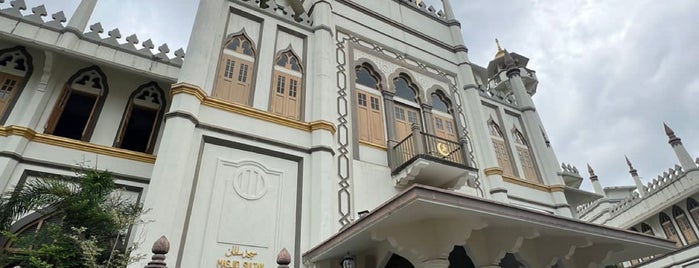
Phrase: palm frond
x=31 y=196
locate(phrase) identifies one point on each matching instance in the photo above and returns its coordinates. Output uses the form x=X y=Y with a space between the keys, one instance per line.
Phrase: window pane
x=294 y=64
x=293 y=84
x=247 y=49
x=138 y=129
x=228 y=71
x=400 y=113
x=375 y=103
x=6 y=89
x=450 y=127
x=403 y=90
x=365 y=78
x=280 y=84
x=438 y=104
x=361 y=99
x=283 y=59
x=243 y=73
x=75 y=115
x=412 y=117
x=439 y=123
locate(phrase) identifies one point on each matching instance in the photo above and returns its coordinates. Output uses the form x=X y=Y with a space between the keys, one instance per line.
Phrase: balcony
x=430 y=160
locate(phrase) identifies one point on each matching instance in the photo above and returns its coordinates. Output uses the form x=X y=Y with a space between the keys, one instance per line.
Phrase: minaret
x=448 y=11
x=82 y=15
x=636 y=179
x=685 y=159
x=595 y=182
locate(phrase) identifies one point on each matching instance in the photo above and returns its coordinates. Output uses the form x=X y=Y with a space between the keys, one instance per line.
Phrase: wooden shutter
x=363 y=121
x=224 y=78
x=671 y=233
x=8 y=91
x=686 y=229
x=444 y=127
x=376 y=120
x=57 y=110
x=525 y=158
x=503 y=157
x=279 y=93
x=292 y=98
x=402 y=124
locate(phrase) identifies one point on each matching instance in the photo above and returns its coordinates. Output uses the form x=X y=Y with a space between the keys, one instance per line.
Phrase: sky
x=610 y=72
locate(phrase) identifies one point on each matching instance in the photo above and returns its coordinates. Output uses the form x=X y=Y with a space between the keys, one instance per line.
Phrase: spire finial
x=497 y=42
x=632 y=170
x=674 y=140
x=501 y=52
x=593 y=177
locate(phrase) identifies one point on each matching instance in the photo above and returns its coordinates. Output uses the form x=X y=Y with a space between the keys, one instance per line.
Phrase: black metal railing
x=430 y=146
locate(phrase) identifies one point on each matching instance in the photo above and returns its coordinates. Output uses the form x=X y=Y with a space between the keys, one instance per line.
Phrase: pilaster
x=324 y=175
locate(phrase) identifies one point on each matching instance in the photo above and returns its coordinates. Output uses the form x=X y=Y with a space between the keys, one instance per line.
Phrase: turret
x=82 y=15
x=595 y=182
x=636 y=179
x=685 y=159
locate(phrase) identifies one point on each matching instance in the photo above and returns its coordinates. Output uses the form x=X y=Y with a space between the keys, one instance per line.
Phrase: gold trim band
x=184 y=88
x=493 y=171
x=533 y=185
x=31 y=135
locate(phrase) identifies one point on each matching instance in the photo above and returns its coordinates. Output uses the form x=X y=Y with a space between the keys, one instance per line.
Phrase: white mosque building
x=341 y=130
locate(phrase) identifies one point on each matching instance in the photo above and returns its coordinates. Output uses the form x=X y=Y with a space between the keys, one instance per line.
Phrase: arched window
x=139 y=127
x=693 y=208
x=234 y=76
x=397 y=261
x=669 y=229
x=458 y=258
x=369 y=106
x=287 y=87
x=633 y=229
x=444 y=126
x=407 y=108
x=684 y=225
x=76 y=111
x=15 y=65
x=525 y=156
x=28 y=228
x=646 y=229
x=501 y=151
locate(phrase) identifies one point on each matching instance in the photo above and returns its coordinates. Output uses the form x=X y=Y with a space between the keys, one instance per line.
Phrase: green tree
x=90 y=224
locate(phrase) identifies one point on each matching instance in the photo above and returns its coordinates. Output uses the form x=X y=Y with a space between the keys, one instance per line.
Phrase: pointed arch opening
x=501 y=152
x=235 y=70
x=526 y=157
x=444 y=124
x=79 y=105
x=396 y=261
x=15 y=69
x=669 y=229
x=369 y=106
x=287 y=86
x=141 y=120
x=407 y=106
x=683 y=223
x=510 y=261
x=458 y=258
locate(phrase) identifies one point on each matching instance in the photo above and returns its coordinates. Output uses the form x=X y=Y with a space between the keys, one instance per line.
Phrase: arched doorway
x=459 y=259
x=397 y=261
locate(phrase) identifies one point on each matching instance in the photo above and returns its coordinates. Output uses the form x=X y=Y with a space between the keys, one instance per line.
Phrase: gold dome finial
x=500 y=52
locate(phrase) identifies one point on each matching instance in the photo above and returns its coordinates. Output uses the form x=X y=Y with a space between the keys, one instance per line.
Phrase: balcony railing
x=424 y=145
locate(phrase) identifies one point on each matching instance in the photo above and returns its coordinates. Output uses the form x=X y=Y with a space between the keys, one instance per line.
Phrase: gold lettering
x=247 y=265
x=221 y=263
x=234 y=251
x=258 y=265
x=236 y=264
x=249 y=254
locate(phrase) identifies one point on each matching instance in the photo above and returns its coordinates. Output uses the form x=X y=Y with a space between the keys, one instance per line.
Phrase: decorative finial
x=632 y=170
x=592 y=173
x=500 y=52
x=497 y=42
x=160 y=248
x=283 y=258
x=674 y=140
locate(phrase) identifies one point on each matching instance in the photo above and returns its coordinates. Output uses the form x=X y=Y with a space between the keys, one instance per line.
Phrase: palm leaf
x=31 y=196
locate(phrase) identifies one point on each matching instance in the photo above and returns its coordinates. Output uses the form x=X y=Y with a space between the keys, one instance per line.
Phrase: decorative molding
x=374 y=145
x=493 y=171
x=31 y=135
x=344 y=164
x=532 y=185
x=189 y=89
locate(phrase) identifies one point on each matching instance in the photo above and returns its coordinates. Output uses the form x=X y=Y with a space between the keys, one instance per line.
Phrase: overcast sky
x=610 y=72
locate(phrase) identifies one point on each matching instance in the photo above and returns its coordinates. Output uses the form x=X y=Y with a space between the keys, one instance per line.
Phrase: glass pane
x=364 y=78
x=361 y=99
x=283 y=59
x=138 y=129
x=295 y=64
x=438 y=104
x=403 y=90
x=75 y=115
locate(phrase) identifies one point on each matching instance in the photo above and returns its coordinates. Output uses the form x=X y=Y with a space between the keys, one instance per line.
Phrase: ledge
x=185 y=88
x=31 y=135
x=532 y=185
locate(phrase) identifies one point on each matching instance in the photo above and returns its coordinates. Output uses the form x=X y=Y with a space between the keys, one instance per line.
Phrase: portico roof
x=434 y=216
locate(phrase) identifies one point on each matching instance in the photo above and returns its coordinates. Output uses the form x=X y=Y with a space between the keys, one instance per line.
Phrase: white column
x=322 y=98
x=636 y=179
x=82 y=15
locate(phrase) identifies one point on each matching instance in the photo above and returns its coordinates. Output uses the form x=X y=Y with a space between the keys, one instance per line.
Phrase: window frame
x=61 y=101
x=245 y=67
x=289 y=74
x=21 y=84
x=126 y=117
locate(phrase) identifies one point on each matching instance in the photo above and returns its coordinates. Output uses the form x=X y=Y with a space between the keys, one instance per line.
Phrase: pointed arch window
x=444 y=126
x=646 y=229
x=407 y=107
x=683 y=223
x=235 y=69
x=15 y=65
x=370 y=114
x=287 y=88
x=501 y=152
x=142 y=117
x=669 y=229
x=525 y=156
x=76 y=111
x=29 y=229
x=693 y=208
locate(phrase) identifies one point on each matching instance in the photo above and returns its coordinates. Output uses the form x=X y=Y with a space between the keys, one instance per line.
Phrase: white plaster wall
x=372 y=185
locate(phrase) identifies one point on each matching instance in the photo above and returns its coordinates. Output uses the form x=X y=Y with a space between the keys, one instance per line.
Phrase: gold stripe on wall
x=32 y=136
x=184 y=88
